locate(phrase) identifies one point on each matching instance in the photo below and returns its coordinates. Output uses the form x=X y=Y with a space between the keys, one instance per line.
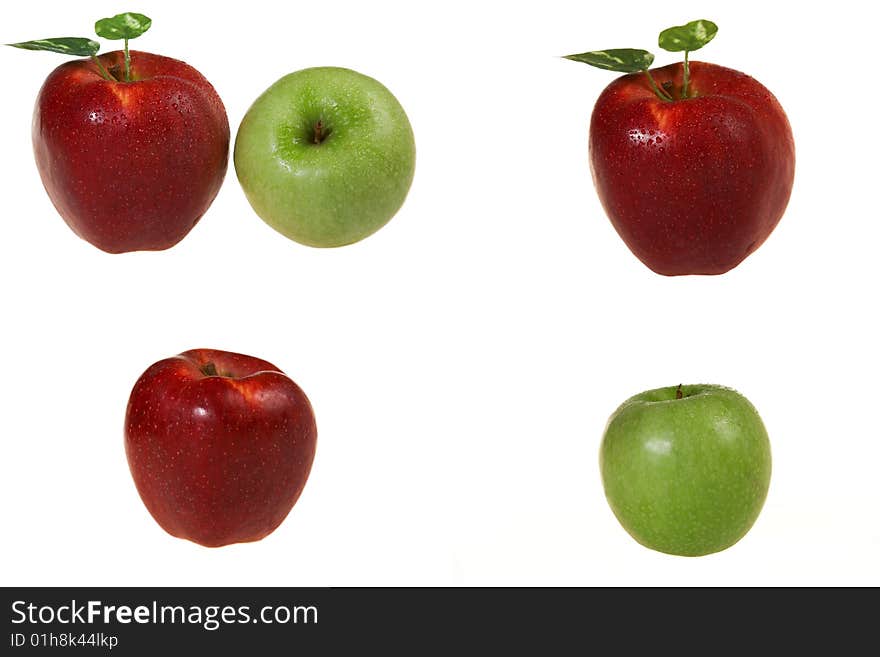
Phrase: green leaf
x=123 y=26
x=76 y=46
x=690 y=37
x=622 y=60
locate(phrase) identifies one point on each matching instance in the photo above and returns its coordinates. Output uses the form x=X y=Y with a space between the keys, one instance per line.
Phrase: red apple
x=130 y=166
x=692 y=185
x=219 y=444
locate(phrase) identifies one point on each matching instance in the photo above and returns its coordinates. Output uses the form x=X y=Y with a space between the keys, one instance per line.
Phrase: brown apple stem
x=662 y=95
x=209 y=369
x=678 y=393
x=319 y=132
x=104 y=73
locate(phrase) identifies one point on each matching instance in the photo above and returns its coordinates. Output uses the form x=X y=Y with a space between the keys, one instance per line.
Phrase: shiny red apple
x=130 y=165
x=219 y=444
x=693 y=185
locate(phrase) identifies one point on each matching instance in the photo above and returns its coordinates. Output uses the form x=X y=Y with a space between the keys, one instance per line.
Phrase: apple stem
x=127 y=63
x=662 y=95
x=103 y=71
x=678 y=393
x=209 y=369
x=687 y=75
x=319 y=132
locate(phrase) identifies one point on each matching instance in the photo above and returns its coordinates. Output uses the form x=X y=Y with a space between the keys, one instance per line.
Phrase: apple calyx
x=681 y=38
x=122 y=26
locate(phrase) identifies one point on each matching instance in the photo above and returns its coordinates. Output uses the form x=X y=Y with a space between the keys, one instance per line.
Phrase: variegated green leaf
x=76 y=46
x=690 y=37
x=622 y=60
x=123 y=26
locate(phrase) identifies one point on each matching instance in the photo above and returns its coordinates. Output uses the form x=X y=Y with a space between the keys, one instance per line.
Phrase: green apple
x=686 y=469
x=325 y=156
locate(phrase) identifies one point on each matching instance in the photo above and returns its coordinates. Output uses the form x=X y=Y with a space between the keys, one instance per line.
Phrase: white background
x=463 y=361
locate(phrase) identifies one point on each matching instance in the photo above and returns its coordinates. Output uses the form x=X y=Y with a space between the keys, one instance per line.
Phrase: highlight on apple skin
x=219 y=444
x=325 y=156
x=686 y=469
